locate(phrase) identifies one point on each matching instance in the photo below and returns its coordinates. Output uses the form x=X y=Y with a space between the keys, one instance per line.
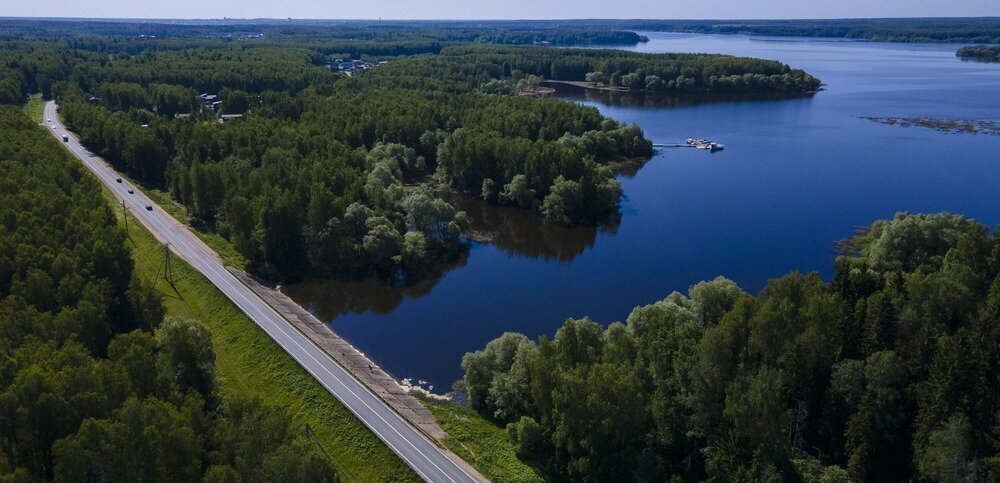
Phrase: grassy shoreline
x=481 y=443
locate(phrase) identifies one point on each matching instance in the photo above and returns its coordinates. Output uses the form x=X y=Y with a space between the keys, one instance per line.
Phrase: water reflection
x=522 y=233
x=660 y=100
x=515 y=232
x=328 y=299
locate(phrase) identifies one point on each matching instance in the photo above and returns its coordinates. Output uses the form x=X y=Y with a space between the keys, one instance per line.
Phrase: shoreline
x=589 y=85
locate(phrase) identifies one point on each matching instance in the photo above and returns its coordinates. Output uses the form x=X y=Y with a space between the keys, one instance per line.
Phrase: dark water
x=796 y=176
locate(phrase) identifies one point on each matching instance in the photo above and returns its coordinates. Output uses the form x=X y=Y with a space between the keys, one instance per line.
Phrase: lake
x=797 y=175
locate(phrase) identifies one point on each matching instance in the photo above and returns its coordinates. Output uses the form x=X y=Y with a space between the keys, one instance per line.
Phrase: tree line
x=711 y=73
x=941 y=29
x=985 y=53
x=390 y=37
x=97 y=385
x=889 y=372
x=575 y=32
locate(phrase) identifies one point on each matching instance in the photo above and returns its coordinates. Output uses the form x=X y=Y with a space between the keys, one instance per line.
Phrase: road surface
x=428 y=460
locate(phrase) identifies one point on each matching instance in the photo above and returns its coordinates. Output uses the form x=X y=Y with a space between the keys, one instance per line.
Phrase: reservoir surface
x=796 y=176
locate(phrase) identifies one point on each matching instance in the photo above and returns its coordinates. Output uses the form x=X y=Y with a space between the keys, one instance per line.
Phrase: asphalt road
x=427 y=459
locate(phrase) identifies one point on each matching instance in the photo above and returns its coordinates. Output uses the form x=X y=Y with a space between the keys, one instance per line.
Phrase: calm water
x=796 y=176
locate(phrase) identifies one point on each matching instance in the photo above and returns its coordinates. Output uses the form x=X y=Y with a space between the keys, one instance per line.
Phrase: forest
x=326 y=184
x=676 y=73
x=326 y=175
x=331 y=31
x=96 y=384
x=890 y=372
x=982 y=53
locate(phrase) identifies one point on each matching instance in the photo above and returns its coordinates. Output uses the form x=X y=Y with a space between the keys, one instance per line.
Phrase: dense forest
x=678 y=73
x=331 y=31
x=321 y=174
x=889 y=373
x=982 y=53
x=96 y=385
x=324 y=183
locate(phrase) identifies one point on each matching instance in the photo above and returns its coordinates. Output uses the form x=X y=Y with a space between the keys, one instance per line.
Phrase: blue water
x=796 y=176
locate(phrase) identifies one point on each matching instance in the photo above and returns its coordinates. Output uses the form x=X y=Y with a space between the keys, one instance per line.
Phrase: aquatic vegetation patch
x=973 y=126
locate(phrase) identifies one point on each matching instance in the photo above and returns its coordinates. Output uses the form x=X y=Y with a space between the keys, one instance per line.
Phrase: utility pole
x=169 y=275
x=313 y=438
x=799 y=415
x=125 y=217
x=165 y=265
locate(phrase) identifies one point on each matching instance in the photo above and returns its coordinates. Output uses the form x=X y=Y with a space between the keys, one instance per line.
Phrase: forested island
x=982 y=53
x=890 y=372
x=314 y=173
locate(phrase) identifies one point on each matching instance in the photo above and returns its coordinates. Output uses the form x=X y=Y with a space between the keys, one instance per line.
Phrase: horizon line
x=576 y=19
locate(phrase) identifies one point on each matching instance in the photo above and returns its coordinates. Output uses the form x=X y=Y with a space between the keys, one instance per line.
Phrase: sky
x=498 y=9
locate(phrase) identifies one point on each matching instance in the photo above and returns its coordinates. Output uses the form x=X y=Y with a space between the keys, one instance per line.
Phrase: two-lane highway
x=427 y=459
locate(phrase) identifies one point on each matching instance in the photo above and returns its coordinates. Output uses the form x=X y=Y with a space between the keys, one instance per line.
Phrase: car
x=131 y=191
x=149 y=207
x=118 y=180
x=50 y=120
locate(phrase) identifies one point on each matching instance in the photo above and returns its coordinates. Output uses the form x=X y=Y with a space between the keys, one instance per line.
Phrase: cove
x=797 y=175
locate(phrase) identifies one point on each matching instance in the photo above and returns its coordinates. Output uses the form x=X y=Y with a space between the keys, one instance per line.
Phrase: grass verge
x=35 y=107
x=483 y=444
x=250 y=364
x=215 y=241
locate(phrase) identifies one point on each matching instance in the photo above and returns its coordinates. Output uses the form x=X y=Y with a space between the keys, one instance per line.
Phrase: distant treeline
x=402 y=37
x=984 y=53
x=96 y=385
x=891 y=372
x=984 y=30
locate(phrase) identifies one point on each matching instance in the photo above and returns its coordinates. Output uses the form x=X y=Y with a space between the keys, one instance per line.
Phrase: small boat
x=705 y=144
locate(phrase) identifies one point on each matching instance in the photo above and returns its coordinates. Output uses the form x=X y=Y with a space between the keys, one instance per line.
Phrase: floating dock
x=705 y=144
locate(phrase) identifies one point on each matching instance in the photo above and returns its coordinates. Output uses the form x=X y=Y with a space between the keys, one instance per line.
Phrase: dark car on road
x=118 y=180
x=149 y=208
x=131 y=191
